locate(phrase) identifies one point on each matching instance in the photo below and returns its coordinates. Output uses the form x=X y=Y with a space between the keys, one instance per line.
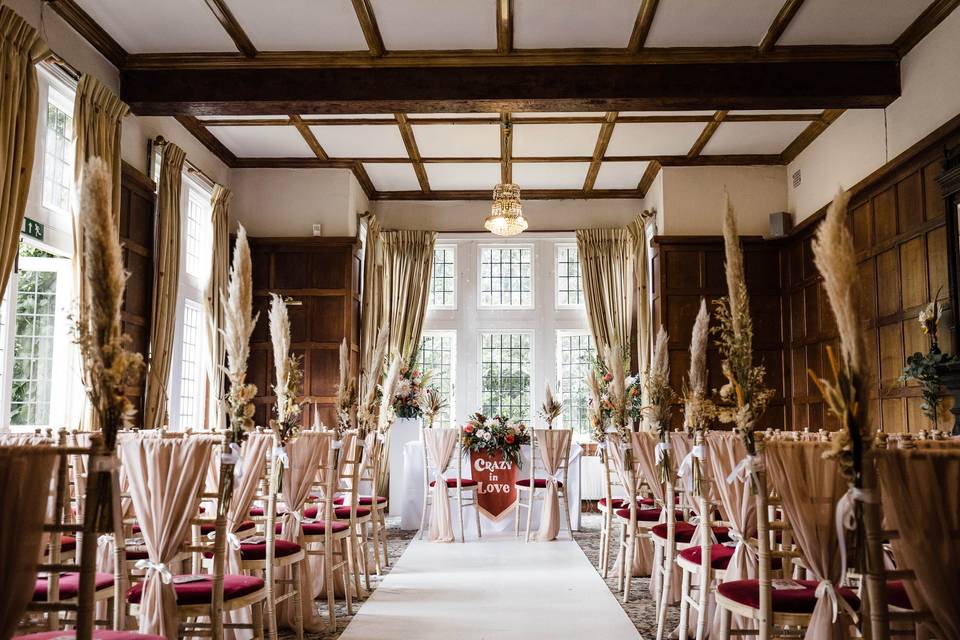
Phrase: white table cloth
x=411 y=505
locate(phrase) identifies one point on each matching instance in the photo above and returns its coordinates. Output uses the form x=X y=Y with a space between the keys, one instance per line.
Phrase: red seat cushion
x=340 y=513
x=258 y=512
x=67 y=543
x=317 y=528
x=137 y=555
x=645 y=515
x=897 y=595
x=69 y=586
x=452 y=482
x=258 y=550
x=201 y=591
x=98 y=634
x=747 y=592
x=719 y=555
x=363 y=500
x=685 y=531
x=538 y=483
x=246 y=525
x=616 y=502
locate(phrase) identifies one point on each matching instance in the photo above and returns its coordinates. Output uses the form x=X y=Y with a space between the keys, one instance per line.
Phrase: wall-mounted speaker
x=780 y=224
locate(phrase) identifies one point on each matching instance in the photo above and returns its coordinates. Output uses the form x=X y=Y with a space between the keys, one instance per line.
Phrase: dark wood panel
x=910 y=202
x=885 y=214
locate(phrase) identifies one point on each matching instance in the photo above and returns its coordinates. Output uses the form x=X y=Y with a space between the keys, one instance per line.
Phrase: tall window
x=438 y=354
x=506 y=276
x=443 y=283
x=198 y=220
x=574 y=354
x=569 y=284
x=506 y=369
x=191 y=375
x=58 y=151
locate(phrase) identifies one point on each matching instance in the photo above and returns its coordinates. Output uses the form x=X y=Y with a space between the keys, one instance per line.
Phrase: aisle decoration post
x=698 y=409
x=386 y=409
x=616 y=399
x=346 y=400
x=408 y=391
x=432 y=403
x=368 y=409
x=660 y=397
x=289 y=377
x=846 y=398
x=551 y=408
x=598 y=422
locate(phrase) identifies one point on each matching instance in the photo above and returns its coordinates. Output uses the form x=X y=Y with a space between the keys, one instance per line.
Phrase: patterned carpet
x=640 y=609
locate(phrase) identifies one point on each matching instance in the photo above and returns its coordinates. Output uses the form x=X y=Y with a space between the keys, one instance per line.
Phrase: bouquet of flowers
x=483 y=434
x=408 y=392
x=632 y=388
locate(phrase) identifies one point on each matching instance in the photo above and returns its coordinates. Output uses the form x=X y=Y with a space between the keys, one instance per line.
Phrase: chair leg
x=516 y=512
x=684 y=606
x=476 y=513
x=257 y=612
x=725 y=624
x=533 y=494
x=270 y=603
x=664 y=592
x=605 y=545
x=460 y=509
x=623 y=556
x=297 y=600
x=423 y=512
x=628 y=564
x=330 y=580
x=350 y=571
x=383 y=539
x=566 y=510
x=362 y=555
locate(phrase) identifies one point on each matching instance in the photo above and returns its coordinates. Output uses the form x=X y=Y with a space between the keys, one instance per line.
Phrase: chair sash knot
x=661 y=451
x=155 y=567
x=826 y=589
x=232 y=539
x=281 y=456
x=104 y=539
x=233 y=457
x=685 y=470
x=748 y=466
x=845 y=519
x=337 y=444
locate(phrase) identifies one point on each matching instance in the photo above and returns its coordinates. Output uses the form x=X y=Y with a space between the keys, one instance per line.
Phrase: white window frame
x=533 y=366
x=452 y=399
x=533 y=276
x=562 y=333
x=453 y=248
x=556 y=277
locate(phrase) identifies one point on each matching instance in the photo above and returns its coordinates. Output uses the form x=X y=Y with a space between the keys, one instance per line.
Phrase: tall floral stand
x=402 y=431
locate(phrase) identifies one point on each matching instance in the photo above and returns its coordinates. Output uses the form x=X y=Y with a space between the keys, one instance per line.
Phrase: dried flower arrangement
x=289 y=374
x=551 y=408
x=432 y=404
x=368 y=411
x=660 y=397
x=745 y=397
x=632 y=387
x=698 y=409
x=238 y=324
x=346 y=399
x=924 y=368
x=595 y=412
x=408 y=391
x=388 y=389
x=617 y=400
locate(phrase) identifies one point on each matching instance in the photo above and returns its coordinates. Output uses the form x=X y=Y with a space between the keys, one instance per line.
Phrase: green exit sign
x=33 y=229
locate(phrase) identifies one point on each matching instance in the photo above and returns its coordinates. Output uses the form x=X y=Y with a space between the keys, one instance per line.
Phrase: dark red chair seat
x=258 y=550
x=69 y=586
x=67 y=543
x=137 y=555
x=98 y=634
x=365 y=501
x=747 y=592
x=538 y=483
x=452 y=482
x=210 y=527
x=340 y=513
x=719 y=555
x=318 y=528
x=685 y=531
x=897 y=595
x=201 y=591
x=645 y=515
x=616 y=502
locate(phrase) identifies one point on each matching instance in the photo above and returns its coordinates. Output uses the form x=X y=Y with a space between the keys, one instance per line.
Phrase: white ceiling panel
x=470 y=176
x=360 y=141
x=695 y=23
x=263 y=142
x=550 y=175
x=753 y=137
x=437 y=24
x=620 y=175
x=559 y=114
x=348 y=116
x=434 y=116
x=573 y=23
x=457 y=140
x=277 y=117
x=171 y=26
x=392 y=176
x=667 y=113
x=555 y=139
x=851 y=21
x=300 y=25
x=781 y=112
x=654 y=139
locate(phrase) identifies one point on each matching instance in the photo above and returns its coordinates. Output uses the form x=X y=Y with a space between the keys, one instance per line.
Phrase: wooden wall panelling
x=137 y=216
x=322 y=275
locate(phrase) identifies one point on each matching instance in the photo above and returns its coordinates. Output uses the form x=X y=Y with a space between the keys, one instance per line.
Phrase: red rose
x=415 y=373
x=468 y=428
x=608 y=377
x=510 y=438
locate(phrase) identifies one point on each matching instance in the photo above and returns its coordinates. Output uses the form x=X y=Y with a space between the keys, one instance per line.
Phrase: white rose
x=630 y=381
x=486 y=435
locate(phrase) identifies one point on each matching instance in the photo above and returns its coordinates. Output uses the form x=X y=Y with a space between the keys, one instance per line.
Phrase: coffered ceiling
x=441 y=99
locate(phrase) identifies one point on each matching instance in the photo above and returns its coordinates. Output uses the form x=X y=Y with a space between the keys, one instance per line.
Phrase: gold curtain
x=606 y=269
x=217 y=282
x=407 y=262
x=166 y=276
x=372 y=295
x=641 y=260
x=20 y=48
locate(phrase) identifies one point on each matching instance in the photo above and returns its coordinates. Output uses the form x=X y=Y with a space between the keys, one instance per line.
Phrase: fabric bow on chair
x=554 y=446
x=441 y=444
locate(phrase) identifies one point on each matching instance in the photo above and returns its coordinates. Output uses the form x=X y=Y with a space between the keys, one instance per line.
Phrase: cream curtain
x=606 y=268
x=641 y=262
x=20 y=48
x=166 y=275
x=372 y=293
x=217 y=282
x=407 y=260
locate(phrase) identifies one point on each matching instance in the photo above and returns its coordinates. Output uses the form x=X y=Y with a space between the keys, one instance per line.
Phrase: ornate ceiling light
x=506 y=213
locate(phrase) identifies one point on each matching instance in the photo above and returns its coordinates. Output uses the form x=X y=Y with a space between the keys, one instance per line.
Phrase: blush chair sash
x=440 y=444
x=554 y=448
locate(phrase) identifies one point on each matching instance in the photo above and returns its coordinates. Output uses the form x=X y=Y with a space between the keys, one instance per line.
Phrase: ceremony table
x=412 y=491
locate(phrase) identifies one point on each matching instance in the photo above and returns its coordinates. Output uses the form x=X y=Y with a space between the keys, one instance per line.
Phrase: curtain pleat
x=407 y=261
x=20 y=47
x=217 y=282
x=607 y=264
x=641 y=261
x=166 y=276
x=372 y=296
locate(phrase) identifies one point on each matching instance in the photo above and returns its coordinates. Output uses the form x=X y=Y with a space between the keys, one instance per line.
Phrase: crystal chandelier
x=506 y=213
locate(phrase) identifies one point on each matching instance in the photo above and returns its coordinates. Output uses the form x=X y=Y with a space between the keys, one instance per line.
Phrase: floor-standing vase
x=402 y=431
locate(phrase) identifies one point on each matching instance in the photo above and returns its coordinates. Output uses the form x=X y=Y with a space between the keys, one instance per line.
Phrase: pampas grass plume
x=698 y=352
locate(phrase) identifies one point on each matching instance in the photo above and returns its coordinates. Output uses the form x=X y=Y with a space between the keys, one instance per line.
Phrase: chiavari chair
x=606 y=506
x=533 y=483
x=350 y=511
x=465 y=489
x=369 y=473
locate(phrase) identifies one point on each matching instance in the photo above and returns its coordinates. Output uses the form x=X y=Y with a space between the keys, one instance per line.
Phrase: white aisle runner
x=496 y=589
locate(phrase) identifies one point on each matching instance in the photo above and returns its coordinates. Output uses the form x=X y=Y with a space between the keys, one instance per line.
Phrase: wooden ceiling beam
x=506 y=148
x=648 y=177
x=809 y=134
x=641 y=29
x=230 y=24
x=706 y=134
x=600 y=150
x=208 y=140
x=410 y=142
x=352 y=121
x=761 y=85
x=924 y=24
x=360 y=173
x=308 y=137
x=528 y=194
x=87 y=27
x=779 y=25
x=368 y=24
x=504 y=26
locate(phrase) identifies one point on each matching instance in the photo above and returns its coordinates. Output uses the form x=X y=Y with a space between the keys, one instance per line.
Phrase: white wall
x=861 y=141
x=137 y=130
